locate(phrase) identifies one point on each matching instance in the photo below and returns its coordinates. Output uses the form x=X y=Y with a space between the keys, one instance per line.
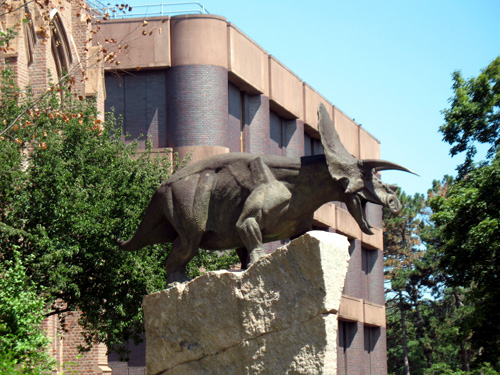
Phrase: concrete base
x=278 y=317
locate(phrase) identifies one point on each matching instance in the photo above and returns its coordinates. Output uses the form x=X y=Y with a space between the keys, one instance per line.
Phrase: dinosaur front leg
x=250 y=234
x=265 y=204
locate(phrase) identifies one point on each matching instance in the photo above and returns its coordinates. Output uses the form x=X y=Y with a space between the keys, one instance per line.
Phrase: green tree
x=402 y=250
x=68 y=188
x=422 y=311
x=474 y=114
x=468 y=217
x=22 y=310
x=469 y=224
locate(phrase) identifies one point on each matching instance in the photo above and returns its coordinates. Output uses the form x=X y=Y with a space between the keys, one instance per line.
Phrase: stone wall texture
x=278 y=317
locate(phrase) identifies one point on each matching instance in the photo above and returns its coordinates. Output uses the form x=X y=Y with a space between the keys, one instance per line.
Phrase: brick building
x=196 y=83
x=53 y=42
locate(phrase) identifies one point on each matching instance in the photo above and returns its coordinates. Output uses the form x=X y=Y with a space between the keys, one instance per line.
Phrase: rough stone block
x=278 y=317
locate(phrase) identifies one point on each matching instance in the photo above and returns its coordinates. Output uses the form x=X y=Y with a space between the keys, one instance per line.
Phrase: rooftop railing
x=119 y=11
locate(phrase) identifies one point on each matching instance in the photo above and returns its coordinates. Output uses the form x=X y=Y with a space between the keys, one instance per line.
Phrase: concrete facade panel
x=137 y=44
x=369 y=147
x=286 y=89
x=196 y=153
x=346 y=224
x=248 y=61
x=199 y=40
x=374 y=314
x=351 y=309
x=311 y=103
x=326 y=215
x=375 y=240
x=348 y=131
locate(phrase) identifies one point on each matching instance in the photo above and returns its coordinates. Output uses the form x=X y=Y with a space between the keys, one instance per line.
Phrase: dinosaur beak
x=356 y=207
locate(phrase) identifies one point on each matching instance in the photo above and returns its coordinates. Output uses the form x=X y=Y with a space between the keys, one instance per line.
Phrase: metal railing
x=119 y=11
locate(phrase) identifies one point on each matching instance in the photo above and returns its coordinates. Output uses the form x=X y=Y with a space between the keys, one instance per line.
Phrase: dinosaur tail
x=154 y=227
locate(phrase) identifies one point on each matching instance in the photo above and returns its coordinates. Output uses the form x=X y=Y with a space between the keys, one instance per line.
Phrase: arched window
x=61 y=49
x=29 y=33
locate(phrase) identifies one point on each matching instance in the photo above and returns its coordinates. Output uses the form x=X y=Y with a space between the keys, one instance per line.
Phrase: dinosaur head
x=358 y=177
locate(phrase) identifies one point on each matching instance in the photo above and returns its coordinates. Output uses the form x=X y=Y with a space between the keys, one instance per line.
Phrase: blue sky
x=385 y=63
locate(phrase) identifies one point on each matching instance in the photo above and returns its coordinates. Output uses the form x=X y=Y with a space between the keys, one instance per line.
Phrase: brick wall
x=197 y=106
x=66 y=337
x=375 y=276
x=294 y=137
x=257 y=132
x=354 y=285
x=235 y=111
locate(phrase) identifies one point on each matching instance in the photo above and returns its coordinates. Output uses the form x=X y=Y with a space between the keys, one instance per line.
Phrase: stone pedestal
x=278 y=317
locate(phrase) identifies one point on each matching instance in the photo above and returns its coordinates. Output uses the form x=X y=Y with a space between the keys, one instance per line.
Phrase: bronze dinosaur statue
x=241 y=201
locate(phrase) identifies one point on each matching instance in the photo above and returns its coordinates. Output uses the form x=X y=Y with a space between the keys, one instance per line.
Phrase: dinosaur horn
x=333 y=147
x=382 y=165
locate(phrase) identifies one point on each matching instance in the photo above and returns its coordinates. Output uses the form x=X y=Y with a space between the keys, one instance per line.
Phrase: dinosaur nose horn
x=383 y=165
x=393 y=204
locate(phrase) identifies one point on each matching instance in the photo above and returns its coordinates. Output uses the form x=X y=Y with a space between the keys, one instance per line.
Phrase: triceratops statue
x=241 y=201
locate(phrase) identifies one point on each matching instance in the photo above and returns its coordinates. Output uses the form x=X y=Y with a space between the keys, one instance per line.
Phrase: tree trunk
x=420 y=328
x=464 y=353
x=403 y=333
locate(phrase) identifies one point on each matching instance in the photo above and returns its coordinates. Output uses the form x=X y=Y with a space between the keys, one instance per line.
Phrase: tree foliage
x=469 y=223
x=424 y=312
x=468 y=218
x=459 y=236
x=68 y=187
x=22 y=310
x=474 y=114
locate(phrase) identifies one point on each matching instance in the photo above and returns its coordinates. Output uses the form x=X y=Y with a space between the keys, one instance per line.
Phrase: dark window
x=61 y=49
x=371 y=338
x=139 y=99
x=236 y=120
x=29 y=33
x=347 y=332
x=312 y=146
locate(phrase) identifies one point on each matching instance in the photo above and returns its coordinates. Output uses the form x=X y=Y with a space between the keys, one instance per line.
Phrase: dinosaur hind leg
x=243 y=255
x=181 y=254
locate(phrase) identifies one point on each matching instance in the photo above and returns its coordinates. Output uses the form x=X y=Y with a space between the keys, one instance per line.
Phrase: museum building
x=197 y=85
